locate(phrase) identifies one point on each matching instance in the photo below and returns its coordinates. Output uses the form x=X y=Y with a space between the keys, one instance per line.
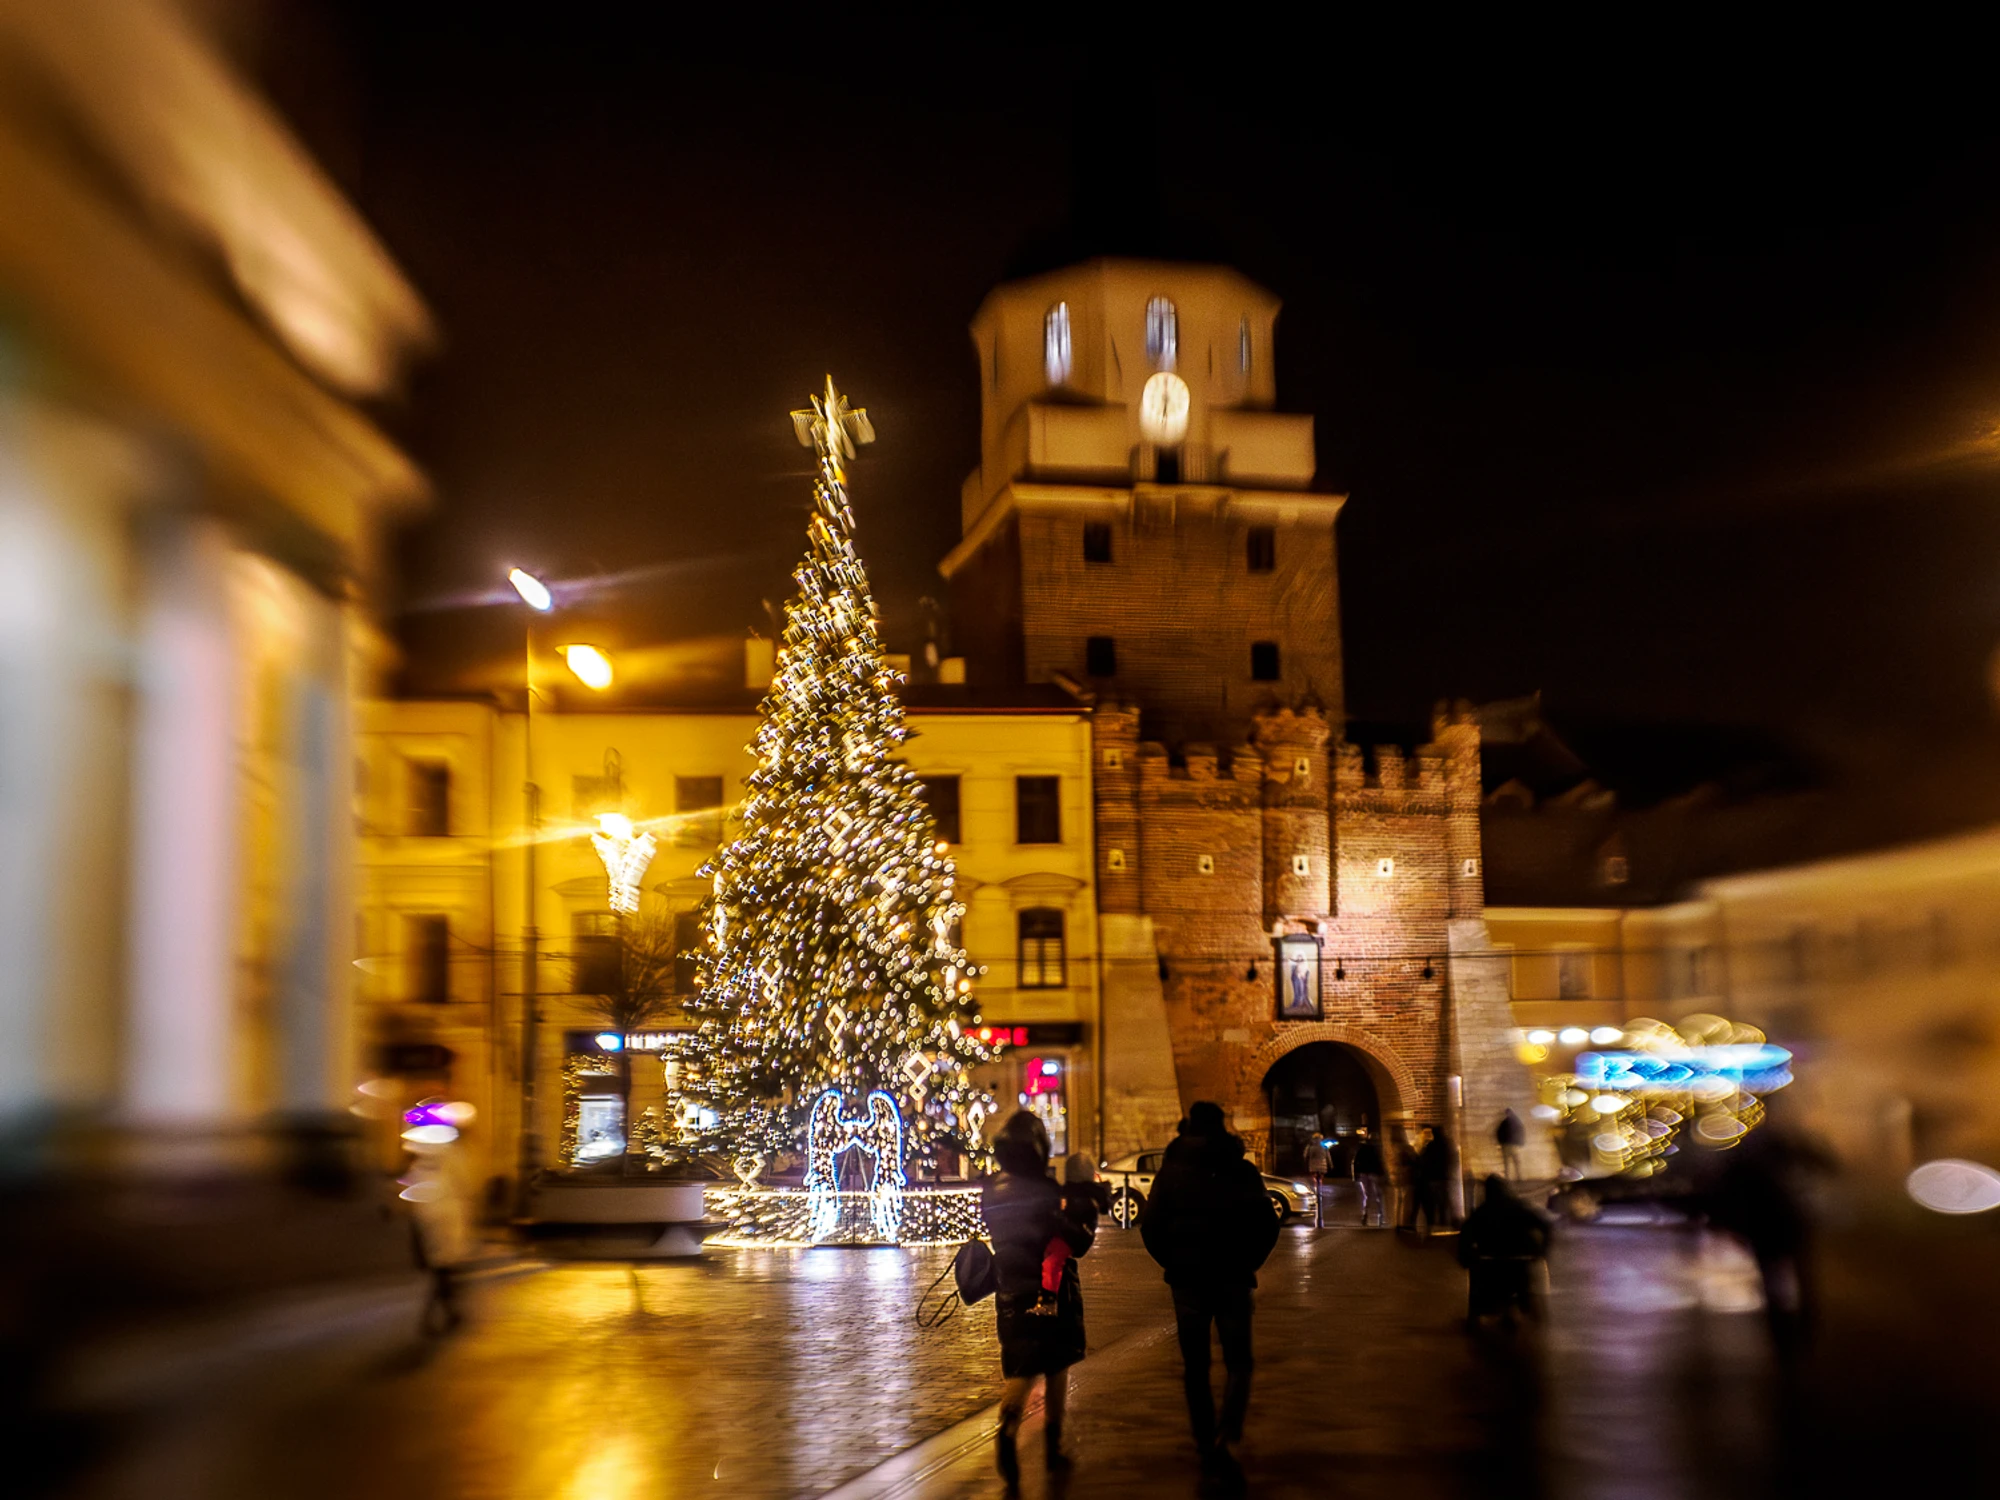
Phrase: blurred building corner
x=189 y=507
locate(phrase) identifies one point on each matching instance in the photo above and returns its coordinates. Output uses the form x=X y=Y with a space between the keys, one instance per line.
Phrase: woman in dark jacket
x=1023 y=1208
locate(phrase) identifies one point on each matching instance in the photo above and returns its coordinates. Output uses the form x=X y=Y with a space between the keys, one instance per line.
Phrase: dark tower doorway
x=1321 y=1088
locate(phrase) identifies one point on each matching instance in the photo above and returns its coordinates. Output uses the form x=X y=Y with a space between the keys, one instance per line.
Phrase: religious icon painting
x=1298 y=978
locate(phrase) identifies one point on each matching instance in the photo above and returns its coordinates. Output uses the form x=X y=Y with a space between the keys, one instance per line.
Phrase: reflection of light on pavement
x=1953 y=1186
x=1726 y=1276
x=611 y=1467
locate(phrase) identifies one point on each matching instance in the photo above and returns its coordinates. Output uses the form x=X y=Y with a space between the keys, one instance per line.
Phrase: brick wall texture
x=1285 y=832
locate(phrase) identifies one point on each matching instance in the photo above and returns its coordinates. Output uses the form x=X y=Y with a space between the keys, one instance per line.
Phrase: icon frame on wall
x=1297 y=994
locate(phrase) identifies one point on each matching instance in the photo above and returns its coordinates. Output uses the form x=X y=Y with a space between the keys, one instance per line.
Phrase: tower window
x=1261 y=548
x=1163 y=333
x=1055 y=343
x=1041 y=930
x=1100 y=656
x=1038 y=809
x=1263 y=661
x=1243 y=347
x=1097 y=541
x=941 y=793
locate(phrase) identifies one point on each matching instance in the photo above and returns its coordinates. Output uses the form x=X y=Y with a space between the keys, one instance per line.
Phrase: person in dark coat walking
x=1437 y=1165
x=1210 y=1226
x=1510 y=1135
x=1373 y=1177
x=1502 y=1242
x=1024 y=1212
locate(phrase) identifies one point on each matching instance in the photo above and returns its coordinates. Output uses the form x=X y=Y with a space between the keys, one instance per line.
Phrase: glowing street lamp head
x=592 y=667
x=532 y=589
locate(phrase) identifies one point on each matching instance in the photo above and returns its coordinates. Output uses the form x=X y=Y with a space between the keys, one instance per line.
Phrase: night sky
x=1668 y=394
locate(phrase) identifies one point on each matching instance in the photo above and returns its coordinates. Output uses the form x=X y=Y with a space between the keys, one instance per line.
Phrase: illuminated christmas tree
x=831 y=961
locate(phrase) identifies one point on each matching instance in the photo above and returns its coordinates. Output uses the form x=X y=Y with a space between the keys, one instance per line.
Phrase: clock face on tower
x=1163 y=409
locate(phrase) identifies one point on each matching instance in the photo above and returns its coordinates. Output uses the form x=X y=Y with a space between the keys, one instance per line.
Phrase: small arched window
x=1055 y=344
x=1163 y=333
x=1243 y=347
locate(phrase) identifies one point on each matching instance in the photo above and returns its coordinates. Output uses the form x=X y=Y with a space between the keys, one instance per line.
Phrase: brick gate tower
x=1142 y=529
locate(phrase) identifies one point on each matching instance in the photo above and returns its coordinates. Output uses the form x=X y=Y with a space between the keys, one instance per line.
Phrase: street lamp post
x=537 y=598
x=593 y=668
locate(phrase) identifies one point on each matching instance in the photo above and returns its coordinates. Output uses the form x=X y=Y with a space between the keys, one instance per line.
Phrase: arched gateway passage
x=1322 y=1088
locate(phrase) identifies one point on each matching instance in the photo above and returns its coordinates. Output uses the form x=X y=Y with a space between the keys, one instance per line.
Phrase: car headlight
x=1302 y=1187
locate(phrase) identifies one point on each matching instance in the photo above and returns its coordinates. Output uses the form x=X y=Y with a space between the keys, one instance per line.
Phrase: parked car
x=1130 y=1179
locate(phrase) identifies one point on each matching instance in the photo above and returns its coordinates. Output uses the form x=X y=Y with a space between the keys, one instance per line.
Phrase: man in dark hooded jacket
x=1210 y=1226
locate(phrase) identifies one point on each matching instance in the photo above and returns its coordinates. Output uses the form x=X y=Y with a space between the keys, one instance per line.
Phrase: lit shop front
x=1622 y=1100
x=612 y=1086
x=1036 y=1071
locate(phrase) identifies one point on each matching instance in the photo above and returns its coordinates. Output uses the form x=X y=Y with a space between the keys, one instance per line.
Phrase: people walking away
x=1084 y=1199
x=1511 y=1136
x=1210 y=1226
x=1319 y=1161
x=1372 y=1179
x=1501 y=1244
x=1023 y=1208
x=1437 y=1165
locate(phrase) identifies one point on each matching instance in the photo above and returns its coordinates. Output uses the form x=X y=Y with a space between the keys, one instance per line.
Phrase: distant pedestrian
x=1502 y=1243
x=1437 y=1166
x=442 y=1234
x=1024 y=1214
x=1373 y=1180
x=1210 y=1226
x=1409 y=1184
x=1319 y=1161
x=1511 y=1136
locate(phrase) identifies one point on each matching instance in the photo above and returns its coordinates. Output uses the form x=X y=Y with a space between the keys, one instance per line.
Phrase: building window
x=689 y=940
x=1038 y=809
x=429 y=949
x=1163 y=333
x=1263 y=661
x=1261 y=543
x=430 y=799
x=1100 y=656
x=594 y=956
x=1055 y=343
x=941 y=793
x=1243 y=347
x=1097 y=541
x=698 y=809
x=1041 y=929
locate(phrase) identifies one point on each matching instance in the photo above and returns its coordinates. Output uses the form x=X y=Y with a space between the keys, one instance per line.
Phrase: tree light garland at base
x=782 y=1218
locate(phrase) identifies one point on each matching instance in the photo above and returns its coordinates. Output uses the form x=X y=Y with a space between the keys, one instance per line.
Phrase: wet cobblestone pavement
x=783 y=1374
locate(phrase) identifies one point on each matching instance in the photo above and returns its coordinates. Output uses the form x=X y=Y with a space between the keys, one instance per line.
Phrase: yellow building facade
x=1877 y=972
x=444 y=898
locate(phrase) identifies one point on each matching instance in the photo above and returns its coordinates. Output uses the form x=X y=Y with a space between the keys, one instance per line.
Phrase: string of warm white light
x=829 y=963
x=878 y=1135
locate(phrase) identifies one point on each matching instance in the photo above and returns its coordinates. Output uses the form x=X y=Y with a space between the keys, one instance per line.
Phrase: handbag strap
x=947 y=1305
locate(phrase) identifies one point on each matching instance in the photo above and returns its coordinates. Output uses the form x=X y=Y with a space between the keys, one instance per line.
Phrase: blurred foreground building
x=190 y=501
